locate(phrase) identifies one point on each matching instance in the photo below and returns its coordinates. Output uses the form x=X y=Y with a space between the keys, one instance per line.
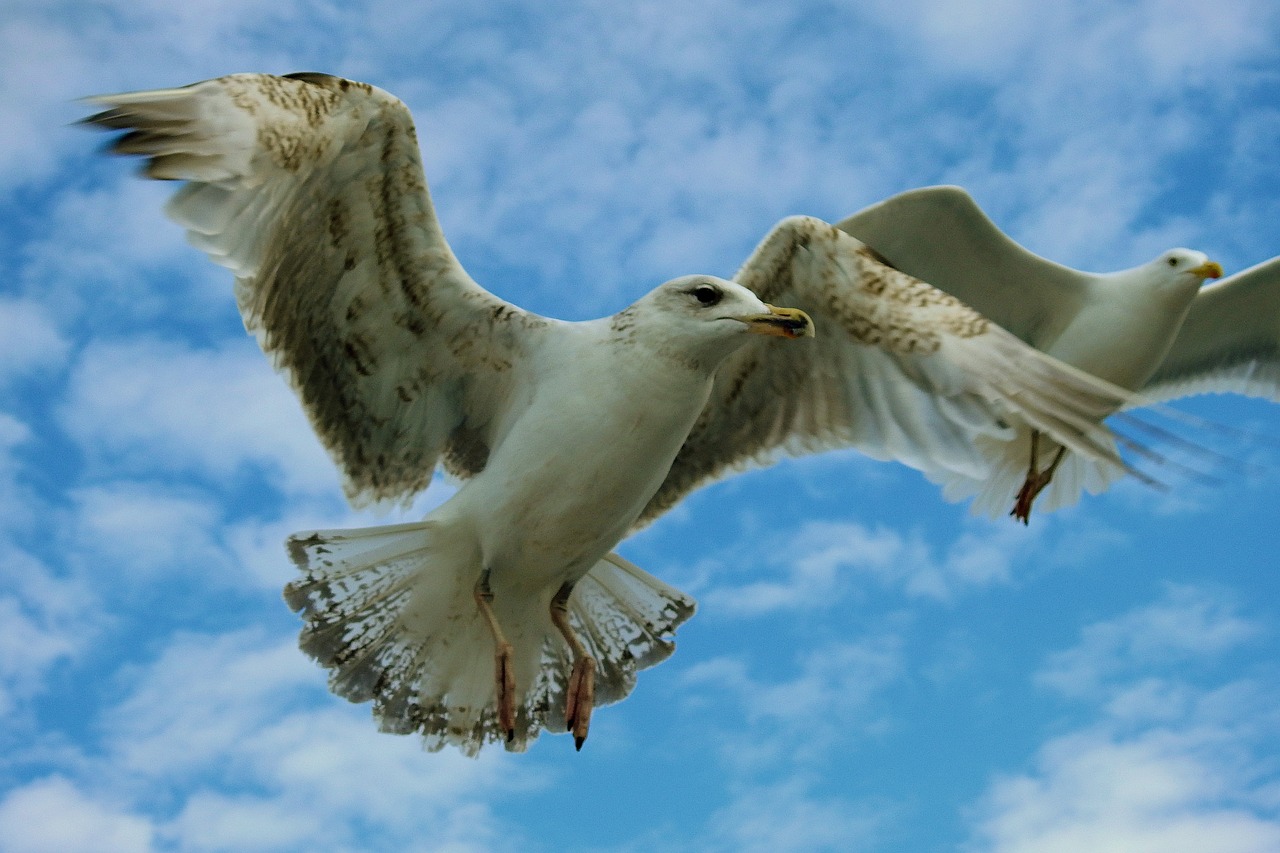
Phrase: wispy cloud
x=215 y=747
x=29 y=339
x=1187 y=625
x=44 y=620
x=53 y=815
x=830 y=560
x=1162 y=792
x=212 y=412
x=791 y=817
x=829 y=690
x=1168 y=765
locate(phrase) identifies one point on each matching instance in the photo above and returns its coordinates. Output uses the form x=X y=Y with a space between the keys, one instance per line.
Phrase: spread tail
x=390 y=612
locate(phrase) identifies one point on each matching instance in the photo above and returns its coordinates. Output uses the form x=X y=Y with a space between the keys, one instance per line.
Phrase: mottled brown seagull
x=505 y=611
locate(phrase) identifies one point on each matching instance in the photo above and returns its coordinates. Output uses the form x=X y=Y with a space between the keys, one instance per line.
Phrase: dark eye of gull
x=707 y=295
x=1173 y=262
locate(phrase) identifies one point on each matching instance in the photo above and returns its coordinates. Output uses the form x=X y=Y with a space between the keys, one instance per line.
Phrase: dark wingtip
x=317 y=78
x=111 y=119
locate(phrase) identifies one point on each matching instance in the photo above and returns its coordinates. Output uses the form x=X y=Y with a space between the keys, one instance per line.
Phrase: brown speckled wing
x=898 y=369
x=310 y=188
x=940 y=235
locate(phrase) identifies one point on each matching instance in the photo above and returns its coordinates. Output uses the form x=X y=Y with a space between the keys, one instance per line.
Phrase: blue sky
x=894 y=676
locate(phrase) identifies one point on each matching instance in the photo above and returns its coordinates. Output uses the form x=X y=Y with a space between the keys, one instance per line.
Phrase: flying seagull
x=1152 y=329
x=505 y=611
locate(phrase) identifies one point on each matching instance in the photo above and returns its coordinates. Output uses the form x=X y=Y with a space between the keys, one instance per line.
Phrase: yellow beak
x=1209 y=269
x=780 y=322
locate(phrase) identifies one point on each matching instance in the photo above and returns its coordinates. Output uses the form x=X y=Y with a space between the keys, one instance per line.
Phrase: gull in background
x=1153 y=329
x=505 y=611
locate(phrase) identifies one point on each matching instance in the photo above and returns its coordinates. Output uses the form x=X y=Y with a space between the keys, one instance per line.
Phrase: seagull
x=1153 y=329
x=506 y=611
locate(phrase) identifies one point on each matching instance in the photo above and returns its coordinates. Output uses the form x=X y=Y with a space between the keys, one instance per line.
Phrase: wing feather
x=310 y=189
x=940 y=235
x=1230 y=341
x=899 y=370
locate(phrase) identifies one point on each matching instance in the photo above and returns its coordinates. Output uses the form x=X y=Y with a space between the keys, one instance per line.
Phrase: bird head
x=709 y=317
x=1188 y=264
x=727 y=307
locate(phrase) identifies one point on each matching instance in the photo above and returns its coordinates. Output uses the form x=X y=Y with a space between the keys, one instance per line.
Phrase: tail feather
x=390 y=612
x=994 y=494
x=627 y=618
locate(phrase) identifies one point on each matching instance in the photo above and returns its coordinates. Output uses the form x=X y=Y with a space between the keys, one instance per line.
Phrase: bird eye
x=1173 y=262
x=707 y=295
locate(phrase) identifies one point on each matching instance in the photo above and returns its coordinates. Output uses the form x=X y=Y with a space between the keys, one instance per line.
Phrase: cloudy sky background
x=871 y=668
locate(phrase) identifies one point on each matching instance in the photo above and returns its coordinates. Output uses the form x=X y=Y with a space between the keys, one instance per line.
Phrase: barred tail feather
x=627 y=619
x=390 y=612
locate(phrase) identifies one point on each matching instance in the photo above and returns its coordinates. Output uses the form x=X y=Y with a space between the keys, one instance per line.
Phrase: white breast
x=579 y=463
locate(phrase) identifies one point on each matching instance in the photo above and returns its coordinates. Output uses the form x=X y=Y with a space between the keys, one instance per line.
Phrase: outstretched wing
x=899 y=370
x=1230 y=341
x=310 y=189
x=940 y=235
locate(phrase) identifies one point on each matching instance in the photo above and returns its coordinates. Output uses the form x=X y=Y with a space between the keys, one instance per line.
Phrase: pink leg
x=1036 y=480
x=581 y=691
x=503 y=675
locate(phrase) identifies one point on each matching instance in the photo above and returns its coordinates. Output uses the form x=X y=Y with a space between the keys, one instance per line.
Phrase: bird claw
x=1034 y=485
x=1035 y=482
x=579 y=698
x=1022 y=504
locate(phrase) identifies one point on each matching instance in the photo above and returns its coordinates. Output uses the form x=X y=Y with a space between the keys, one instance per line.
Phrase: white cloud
x=833 y=690
x=1162 y=792
x=155 y=406
x=239 y=730
x=100 y=254
x=29 y=339
x=978 y=38
x=196 y=705
x=1184 y=41
x=147 y=531
x=210 y=822
x=1188 y=624
x=1169 y=767
x=1101 y=47
x=830 y=559
x=33 y=99
x=53 y=815
x=43 y=620
x=17 y=508
x=786 y=817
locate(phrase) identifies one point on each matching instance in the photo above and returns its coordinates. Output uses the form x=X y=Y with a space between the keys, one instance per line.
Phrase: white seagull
x=1153 y=329
x=504 y=611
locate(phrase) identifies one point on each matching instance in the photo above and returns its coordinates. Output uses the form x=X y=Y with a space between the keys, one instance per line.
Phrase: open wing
x=310 y=189
x=899 y=370
x=940 y=235
x=1230 y=341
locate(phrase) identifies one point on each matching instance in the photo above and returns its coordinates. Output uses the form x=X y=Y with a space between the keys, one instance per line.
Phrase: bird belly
x=563 y=490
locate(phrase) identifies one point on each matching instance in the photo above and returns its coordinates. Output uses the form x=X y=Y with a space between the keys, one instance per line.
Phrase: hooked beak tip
x=781 y=322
